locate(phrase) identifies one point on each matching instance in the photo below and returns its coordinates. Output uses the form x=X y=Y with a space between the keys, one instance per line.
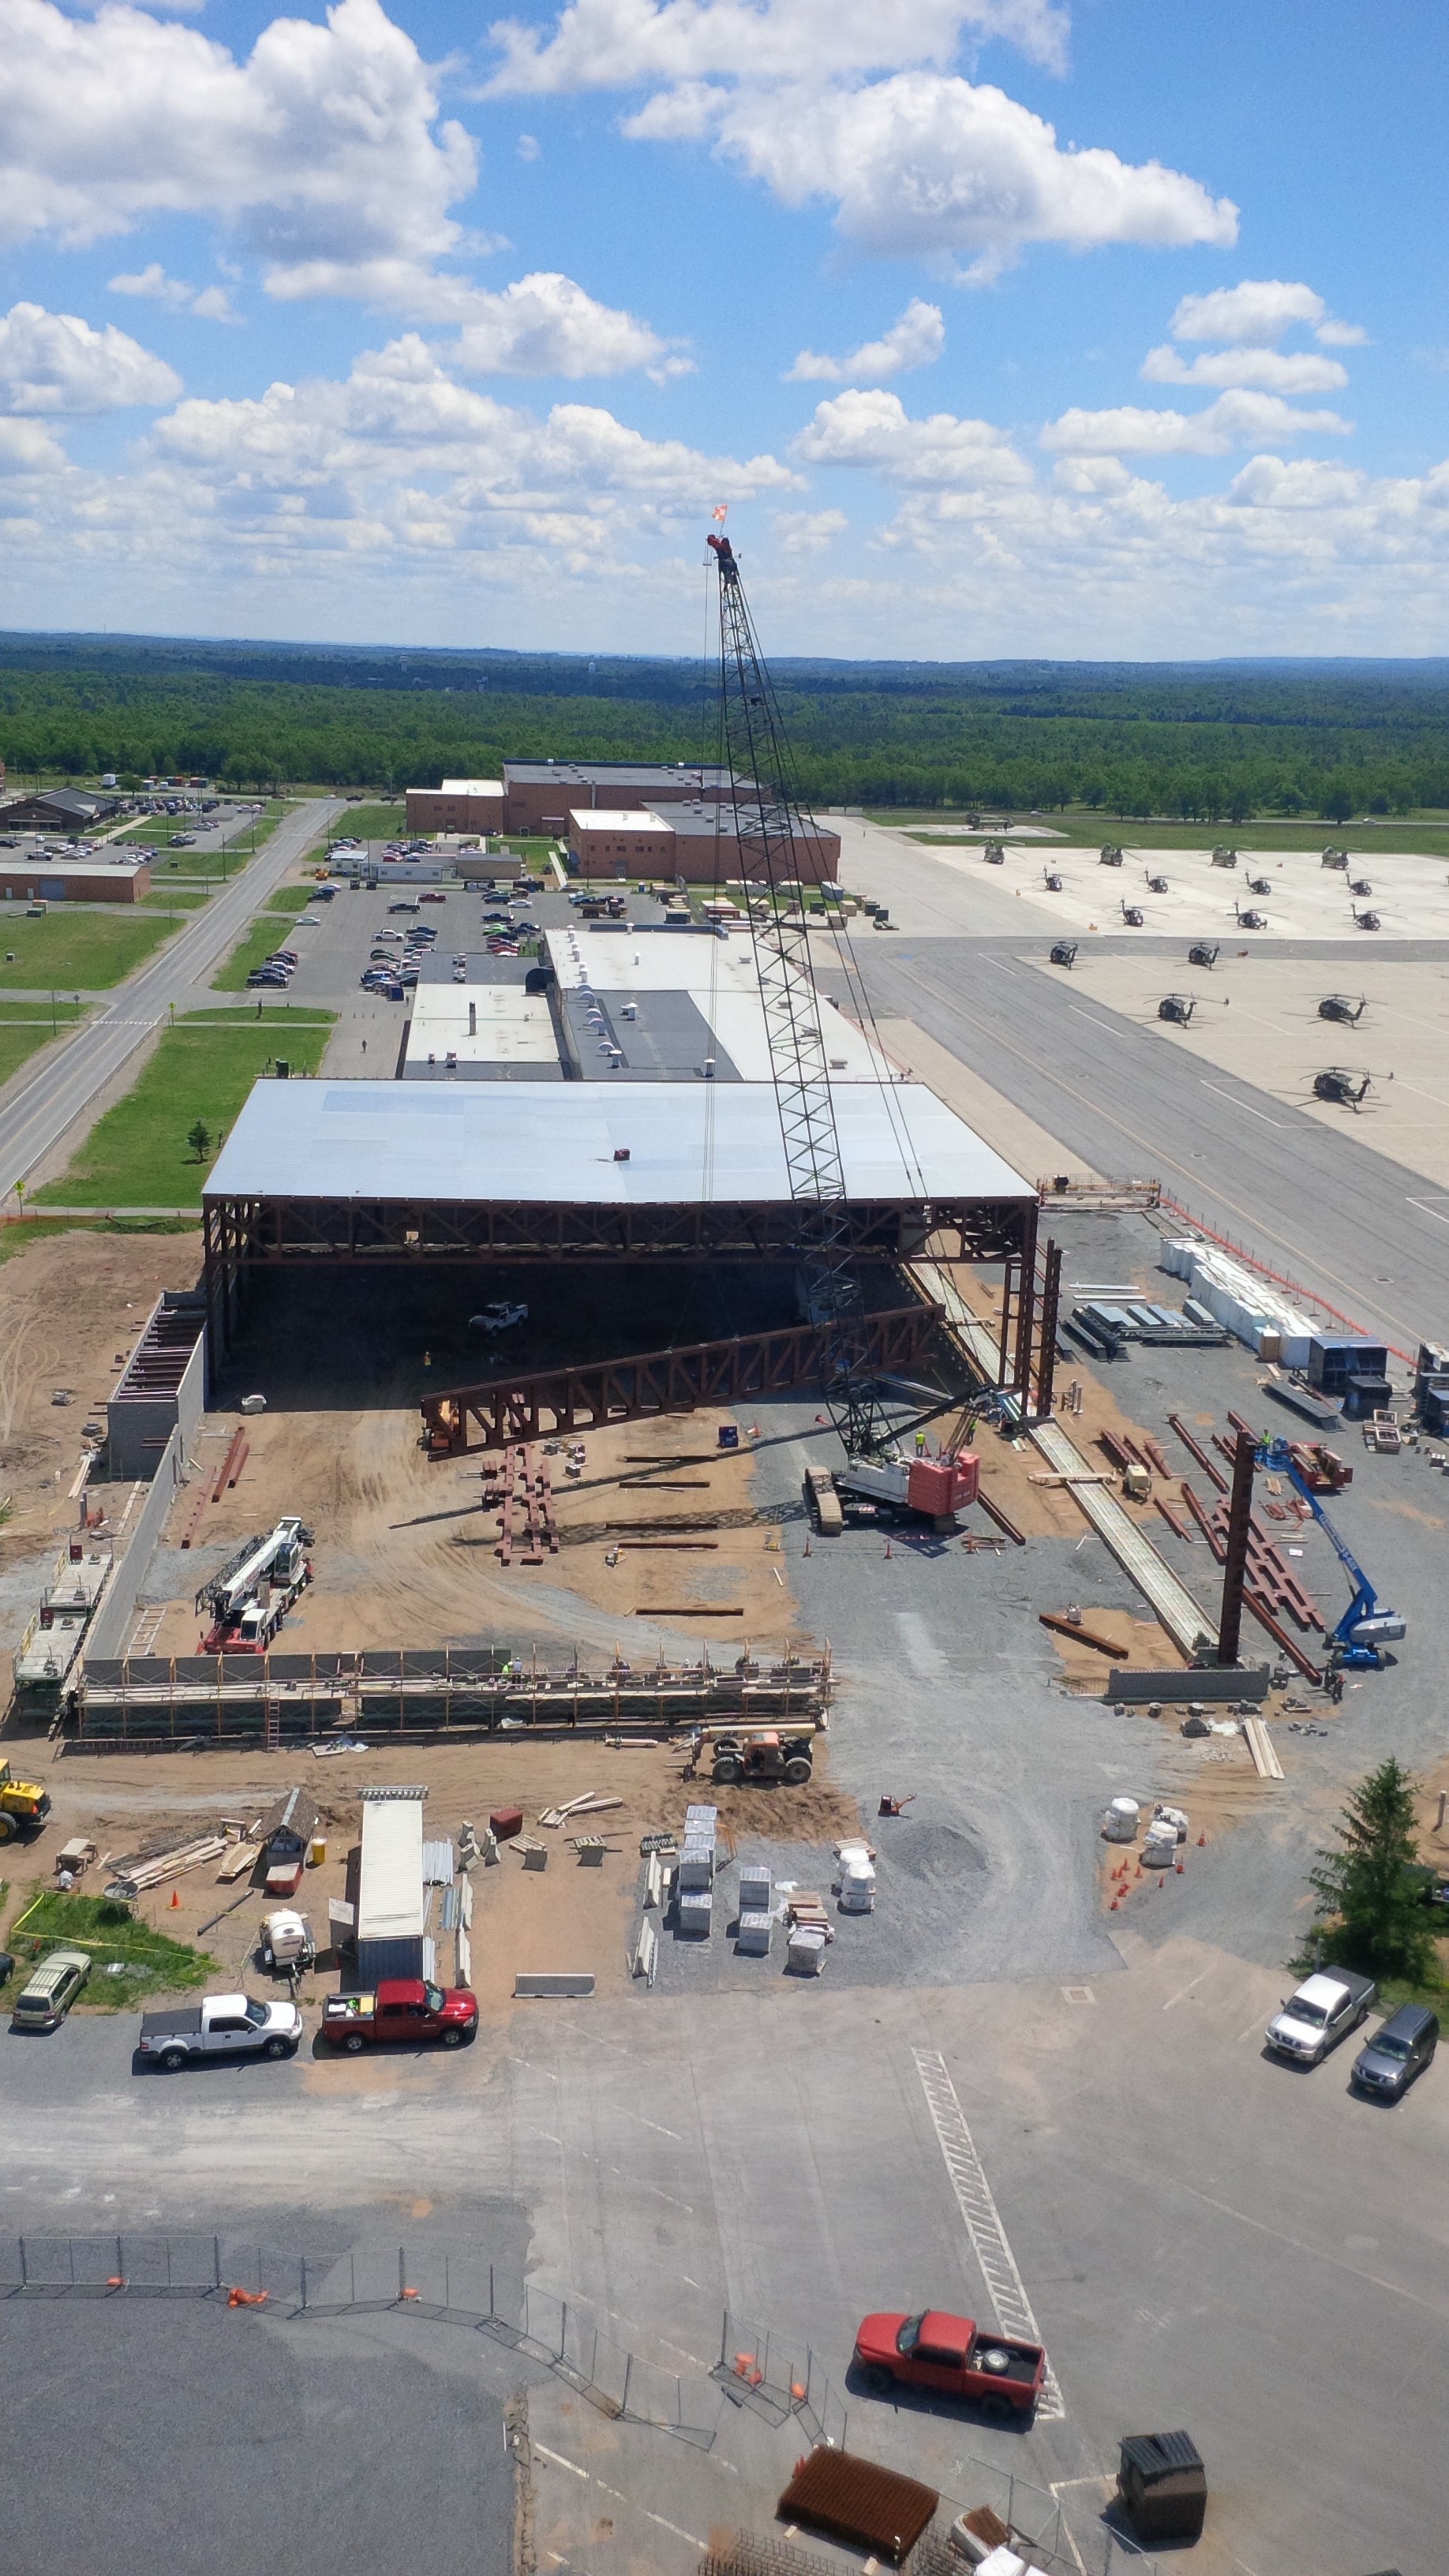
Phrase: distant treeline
x=1208 y=741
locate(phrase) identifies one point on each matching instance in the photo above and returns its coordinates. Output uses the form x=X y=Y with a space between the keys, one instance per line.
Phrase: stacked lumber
x=132 y=1872
x=592 y=1802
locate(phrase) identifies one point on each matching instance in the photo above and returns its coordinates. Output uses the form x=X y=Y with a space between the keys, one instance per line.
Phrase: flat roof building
x=106 y=877
x=539 y=795
x=459 y=805
x=695 y=839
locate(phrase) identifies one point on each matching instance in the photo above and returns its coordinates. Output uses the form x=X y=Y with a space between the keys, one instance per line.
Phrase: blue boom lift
x=1366 y=1626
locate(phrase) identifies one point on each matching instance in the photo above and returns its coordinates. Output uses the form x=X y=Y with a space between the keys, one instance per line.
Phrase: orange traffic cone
x=1202 y=1838
x=1179 y=1869
x=175 y=1897
x=1116 y=1901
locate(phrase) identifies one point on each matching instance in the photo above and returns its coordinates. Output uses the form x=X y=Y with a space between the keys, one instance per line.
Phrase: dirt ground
x=405 y=1556
x=568 y=1916
x=72 y=1307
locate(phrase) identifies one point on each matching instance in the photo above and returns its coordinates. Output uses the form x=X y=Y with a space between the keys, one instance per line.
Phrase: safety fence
x=777 y=2378
x=458 y=2287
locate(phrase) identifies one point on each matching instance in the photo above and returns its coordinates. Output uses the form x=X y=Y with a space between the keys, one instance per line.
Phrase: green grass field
x=299 y=1014
x=290 y=898
x=371 y=822
x=1084 y=827
x=176 y=898
x=78 y=952
x=137 y=1154
x=27 y=1026
x=264 y=938
x=149 y=1963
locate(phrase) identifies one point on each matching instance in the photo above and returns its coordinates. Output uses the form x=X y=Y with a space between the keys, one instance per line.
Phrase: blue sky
x=1117 y=328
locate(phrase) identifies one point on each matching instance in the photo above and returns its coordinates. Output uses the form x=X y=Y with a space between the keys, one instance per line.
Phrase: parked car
x=1398 y=2052
x=49 y=1991
x=500 y=1317
x=405 y=904
x=220 y=2026
x=284 y=957
x=952 y=2356
x=1321 y=2012
x=400 y=2008
x=432 y=898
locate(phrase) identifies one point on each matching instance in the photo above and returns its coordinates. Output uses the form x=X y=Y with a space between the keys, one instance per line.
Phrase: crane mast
x=754 y=753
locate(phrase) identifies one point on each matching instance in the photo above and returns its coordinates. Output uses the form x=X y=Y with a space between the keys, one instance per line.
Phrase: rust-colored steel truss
x=581 y=1399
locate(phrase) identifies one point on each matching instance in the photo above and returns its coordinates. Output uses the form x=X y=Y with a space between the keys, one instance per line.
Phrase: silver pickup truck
x=1321 y=2012
x=220 y=2025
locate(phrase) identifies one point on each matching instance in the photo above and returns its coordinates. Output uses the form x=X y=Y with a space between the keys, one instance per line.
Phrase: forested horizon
x=1212 y=740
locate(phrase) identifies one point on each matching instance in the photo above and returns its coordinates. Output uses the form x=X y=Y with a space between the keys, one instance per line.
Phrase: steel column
x=1235 y=1562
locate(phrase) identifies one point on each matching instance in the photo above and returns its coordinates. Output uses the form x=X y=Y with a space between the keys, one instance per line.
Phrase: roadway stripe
x=1241 y=1104
x=1005 y=2287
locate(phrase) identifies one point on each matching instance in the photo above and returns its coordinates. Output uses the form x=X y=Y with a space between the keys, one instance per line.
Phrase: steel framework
x=770 y=830
x=242 y=1236
x=724 y=1372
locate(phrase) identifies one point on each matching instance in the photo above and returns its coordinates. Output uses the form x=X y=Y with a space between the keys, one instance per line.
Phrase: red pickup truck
x=952 y=2356
x=401 y=2008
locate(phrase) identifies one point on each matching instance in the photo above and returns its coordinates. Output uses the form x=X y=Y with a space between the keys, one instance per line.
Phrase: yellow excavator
x=24 y=1806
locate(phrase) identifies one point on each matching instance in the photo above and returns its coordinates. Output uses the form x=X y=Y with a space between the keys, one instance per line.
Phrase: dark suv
x=1398 y=2052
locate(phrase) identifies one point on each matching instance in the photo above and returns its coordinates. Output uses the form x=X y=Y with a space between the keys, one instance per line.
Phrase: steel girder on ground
x=724 y=1372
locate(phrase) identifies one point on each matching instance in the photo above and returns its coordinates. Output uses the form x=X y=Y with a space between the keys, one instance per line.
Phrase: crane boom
x=770 y=831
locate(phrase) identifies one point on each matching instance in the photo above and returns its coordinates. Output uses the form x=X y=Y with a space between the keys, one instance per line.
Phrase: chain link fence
x=776 y=2377
x=457 y=2287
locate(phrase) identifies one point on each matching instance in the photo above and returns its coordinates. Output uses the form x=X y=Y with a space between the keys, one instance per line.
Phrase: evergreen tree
x=1373 y=1898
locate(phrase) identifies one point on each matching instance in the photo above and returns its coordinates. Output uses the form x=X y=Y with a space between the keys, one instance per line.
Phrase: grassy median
x=267 y=934
x=140 y=1154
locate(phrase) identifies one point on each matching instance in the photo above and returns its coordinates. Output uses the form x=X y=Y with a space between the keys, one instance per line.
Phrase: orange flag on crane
x=720 y=512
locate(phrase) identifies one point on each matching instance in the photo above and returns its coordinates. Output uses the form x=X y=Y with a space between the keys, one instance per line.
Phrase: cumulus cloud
x=620 y=44
x=915 y=340
x=1280 y=371
x=1258 y=310
x=940 y=168
x=545 y=325
x=807 y=532
x=55 y=362
x=399 y=414
x=1236 y=419
x=873 y=429
x=209 y=303
x=323 y=149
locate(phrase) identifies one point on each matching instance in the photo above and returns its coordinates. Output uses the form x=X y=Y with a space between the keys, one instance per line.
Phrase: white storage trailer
x=392 y=1901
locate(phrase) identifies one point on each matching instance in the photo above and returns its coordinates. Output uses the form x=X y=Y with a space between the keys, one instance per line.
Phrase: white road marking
x=1187 y=1989
x=1007 y=2290
x=1242 y=1104
x=674 y=2527
x=1092 y=1016
x=655 y=2124
x=1427 y=1211
x=557 y=2457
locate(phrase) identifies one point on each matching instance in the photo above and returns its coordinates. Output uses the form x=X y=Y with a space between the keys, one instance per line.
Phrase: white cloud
x=323 y=149
x=1234 y=420
x=210 y=303
x=545 y=325
x=527 y=147
x=26 y=447
x=620 y=44
x=330 y=446
x=938 y=168
x=1280 y=371
x=1259 y=310
x=872 y=429
x=915 y=340
x=807 y=532
x=55 y=362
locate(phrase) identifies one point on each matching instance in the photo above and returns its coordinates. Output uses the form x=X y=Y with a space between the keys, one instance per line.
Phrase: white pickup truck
x=1319 y=2014
x=220 y=2025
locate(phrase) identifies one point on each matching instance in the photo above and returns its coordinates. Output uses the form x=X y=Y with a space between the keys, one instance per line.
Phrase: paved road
x=39 y=1113
x=1319 y=1206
